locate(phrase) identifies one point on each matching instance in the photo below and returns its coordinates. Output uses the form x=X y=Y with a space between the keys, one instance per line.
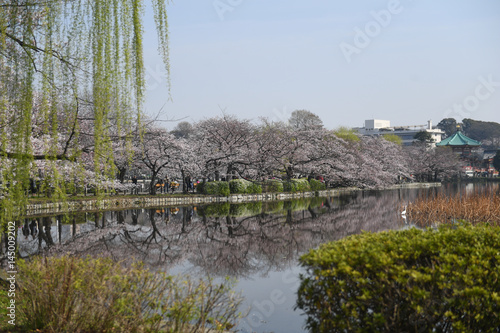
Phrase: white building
x=406 y=133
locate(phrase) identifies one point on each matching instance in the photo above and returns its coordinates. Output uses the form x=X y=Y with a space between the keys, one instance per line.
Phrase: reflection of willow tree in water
x=235 y=245
x=37 y=234
x=44 y=233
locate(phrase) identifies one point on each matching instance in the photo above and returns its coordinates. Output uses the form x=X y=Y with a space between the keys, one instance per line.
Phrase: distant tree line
x=487 y=132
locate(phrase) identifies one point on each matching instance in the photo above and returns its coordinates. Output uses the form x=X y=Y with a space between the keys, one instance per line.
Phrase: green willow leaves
x=68 y=70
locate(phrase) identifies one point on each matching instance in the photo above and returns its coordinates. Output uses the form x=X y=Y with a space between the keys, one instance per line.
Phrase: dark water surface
x=258 y=243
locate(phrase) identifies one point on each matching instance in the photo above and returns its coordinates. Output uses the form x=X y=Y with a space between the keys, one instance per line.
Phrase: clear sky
x=407 y=61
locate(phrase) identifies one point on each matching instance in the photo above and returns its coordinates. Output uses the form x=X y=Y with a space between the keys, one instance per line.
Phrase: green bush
x=296 y=185
x=440 y=280
x=316 y=185
x=244 y=186
x=272 y=185
x=254 y=188
x=200 y=187
x=216 y=188
x=98 y=295
x=238 y=185
x=289 y=187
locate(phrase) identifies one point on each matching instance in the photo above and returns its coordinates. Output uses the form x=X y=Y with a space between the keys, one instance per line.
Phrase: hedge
x=215 y=188
x=316 y=185
x=442 y=280
x=296 y=185
x=244 y=186
x=238 y=185
x=254 y=188
x=273 y=185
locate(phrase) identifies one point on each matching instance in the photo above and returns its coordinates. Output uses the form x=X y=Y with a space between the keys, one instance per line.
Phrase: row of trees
x=72 y=80
x=226 y=147
x=229 y=147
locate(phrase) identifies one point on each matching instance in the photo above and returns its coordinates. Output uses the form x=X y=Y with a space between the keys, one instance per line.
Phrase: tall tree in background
x=304 y=120
x=448 y=125
x=69 y=53
x=496 y=161
x=481 y=130
x=183 y=129
x=425 y=138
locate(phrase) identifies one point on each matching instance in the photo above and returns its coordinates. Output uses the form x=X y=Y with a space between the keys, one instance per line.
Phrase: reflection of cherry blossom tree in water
x=236 y=245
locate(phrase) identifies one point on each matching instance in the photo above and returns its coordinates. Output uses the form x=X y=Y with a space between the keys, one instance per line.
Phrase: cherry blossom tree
x=432 y=164
x=158 y=151
x=222 y=144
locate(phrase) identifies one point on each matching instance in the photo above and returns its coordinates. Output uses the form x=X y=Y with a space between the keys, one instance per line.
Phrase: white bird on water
x=403 y=214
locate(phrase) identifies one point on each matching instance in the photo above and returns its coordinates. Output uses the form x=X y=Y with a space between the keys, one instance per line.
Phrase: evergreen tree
x=424 y=137
x=496 y=161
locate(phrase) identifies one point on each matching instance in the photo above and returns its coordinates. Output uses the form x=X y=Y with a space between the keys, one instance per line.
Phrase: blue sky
x=406 y=61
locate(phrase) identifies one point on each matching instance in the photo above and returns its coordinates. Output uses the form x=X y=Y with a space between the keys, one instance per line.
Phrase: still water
x=258 y=244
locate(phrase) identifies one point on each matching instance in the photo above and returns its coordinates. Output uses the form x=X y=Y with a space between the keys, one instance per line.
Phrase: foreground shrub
x=296 y=185
x=316 y=185
x=98 y=295
x=405 y=281
x=216 y=188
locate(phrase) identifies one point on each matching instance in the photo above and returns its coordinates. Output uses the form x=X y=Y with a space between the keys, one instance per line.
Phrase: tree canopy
x=424 y=137
x=63 y=64
x=305 y=120
x=448 y=125
x=488 y=132
x=496 y=161
x=481 y=130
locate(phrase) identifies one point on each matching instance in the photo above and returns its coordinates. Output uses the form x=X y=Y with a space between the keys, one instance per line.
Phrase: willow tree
x=59 y=57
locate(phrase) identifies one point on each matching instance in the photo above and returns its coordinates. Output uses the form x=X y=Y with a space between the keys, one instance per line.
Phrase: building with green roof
x=459 y=143
x=463 y=145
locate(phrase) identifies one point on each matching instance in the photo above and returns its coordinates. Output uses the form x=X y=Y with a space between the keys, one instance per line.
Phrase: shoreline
x=137 y=202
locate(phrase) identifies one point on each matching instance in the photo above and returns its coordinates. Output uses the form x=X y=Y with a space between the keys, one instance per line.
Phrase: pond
x=258 y=244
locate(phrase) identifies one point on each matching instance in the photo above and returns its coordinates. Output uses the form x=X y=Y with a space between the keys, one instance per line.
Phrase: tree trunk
x=121 y=174
x=184 y=183
x=152 y=186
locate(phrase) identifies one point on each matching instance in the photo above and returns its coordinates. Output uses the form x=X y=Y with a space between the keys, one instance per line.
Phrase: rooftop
x=458 y=139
